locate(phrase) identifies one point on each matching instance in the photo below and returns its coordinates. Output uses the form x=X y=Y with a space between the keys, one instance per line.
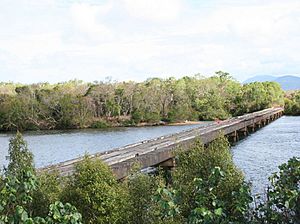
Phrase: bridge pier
x=244 y=131
x=252 y=127
x=236 y=135
x=233 y=137
x=259 y=125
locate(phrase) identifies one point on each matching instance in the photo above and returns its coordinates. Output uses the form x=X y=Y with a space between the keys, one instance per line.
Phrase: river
x=262 y=152
x=50 y=147
x=258 y=155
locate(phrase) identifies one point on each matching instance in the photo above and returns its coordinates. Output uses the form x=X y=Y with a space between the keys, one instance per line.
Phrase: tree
x=95 y=192
x=17 y=186
x=198 y=162
x=292 y=104
x=212 y=106
x=20 y=158
x=75 y=104
x=49 y=190
x=282 y=204
x=140 y=189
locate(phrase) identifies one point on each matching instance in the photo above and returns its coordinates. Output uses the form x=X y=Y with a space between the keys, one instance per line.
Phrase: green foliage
x=198 y=163
x=16 y=195
x=63 y=214
x=95 y=192
x=211 y=107
x=48 y=192
x=100 y=124
x=168 y=211
x=206 y=187
x=283 y=196
x=75 y=104
x=140 y=189
x=212 y=209
x=19 y=178
x=17 y=187
x=292 y=104
x=137 y=116
x=209 y=206
x=152 y=117
x=20 y=158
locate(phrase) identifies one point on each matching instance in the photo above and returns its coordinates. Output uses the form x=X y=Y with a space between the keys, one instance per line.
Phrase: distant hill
x=287 y=82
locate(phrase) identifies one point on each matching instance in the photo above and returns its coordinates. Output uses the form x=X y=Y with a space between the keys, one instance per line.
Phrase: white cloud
x=137 y=39
x=156 y=10
x=85 y=19
x=27 y=46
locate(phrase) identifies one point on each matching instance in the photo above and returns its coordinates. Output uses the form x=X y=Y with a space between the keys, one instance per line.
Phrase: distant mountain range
x=287 y=82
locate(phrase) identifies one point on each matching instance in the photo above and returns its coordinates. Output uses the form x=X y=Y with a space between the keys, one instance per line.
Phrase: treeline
x=292 y=103
x=76 y=104
x=205 y=188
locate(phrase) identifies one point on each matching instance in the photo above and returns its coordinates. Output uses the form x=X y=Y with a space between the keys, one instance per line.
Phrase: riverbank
x=103 y=124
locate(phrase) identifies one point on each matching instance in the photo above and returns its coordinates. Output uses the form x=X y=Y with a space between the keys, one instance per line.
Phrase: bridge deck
x=155 y=151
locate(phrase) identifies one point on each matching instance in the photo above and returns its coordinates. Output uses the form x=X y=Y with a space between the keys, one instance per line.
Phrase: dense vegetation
x=18 y=184
x=76 y=104
x=292 y=103
x=205 y=187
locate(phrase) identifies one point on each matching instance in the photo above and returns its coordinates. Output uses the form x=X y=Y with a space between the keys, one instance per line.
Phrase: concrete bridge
x=160 y=151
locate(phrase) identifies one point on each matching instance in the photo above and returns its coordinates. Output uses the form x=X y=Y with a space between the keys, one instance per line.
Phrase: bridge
x=160 y=151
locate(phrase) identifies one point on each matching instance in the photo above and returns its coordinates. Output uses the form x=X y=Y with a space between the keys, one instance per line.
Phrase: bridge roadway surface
x=160 y=150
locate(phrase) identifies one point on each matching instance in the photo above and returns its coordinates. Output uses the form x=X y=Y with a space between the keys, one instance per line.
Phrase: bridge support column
x=244 y=131
x=258 y=124
x=252 y=127
x=234 y=137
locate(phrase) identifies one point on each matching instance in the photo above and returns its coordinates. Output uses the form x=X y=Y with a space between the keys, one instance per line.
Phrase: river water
x=258 y=155
x=262 y=152
x=50 y=147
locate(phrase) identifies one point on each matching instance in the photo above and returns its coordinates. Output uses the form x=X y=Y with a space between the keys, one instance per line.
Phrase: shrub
x=48 y=192
x=140 y=188
x=292 y=106
x=137 y=116
x=152 y=117
x=20 y=158
x=16 y=189
x=209 y=207
x=198 y=163
x=282 y=203
x=100 y=124
x=95 y=192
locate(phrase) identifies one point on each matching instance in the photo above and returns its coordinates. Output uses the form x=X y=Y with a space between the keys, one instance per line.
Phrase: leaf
x=218 y=211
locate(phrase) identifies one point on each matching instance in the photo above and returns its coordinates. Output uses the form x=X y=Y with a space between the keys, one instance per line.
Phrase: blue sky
x=59 y=40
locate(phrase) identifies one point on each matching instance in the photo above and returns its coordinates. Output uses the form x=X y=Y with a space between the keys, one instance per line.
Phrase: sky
x=60 y=40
